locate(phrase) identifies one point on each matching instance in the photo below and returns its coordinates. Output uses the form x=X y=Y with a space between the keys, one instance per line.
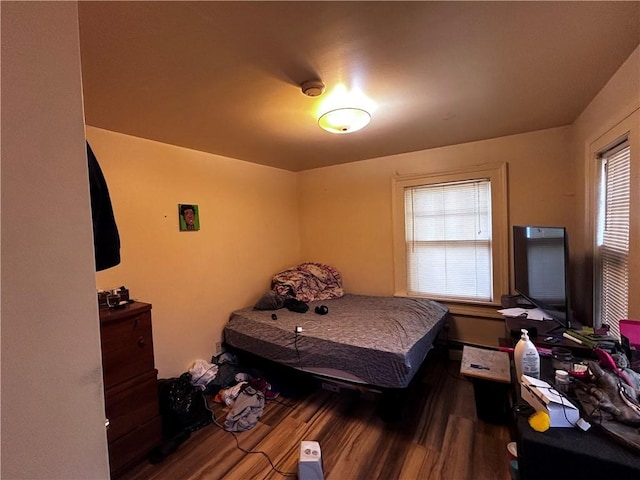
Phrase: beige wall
x=346 y=209
x=618 y=102
x=248 y=232
x=52 y=398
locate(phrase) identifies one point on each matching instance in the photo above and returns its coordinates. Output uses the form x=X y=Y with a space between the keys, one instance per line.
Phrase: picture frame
x=188 y=217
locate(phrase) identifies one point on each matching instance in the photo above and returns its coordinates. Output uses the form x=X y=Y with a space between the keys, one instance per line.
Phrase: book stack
x=587 y=338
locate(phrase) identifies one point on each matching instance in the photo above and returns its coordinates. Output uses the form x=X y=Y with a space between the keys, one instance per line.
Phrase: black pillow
x=270 y=301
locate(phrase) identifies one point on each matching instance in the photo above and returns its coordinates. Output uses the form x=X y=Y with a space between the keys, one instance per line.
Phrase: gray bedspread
x=381 y=340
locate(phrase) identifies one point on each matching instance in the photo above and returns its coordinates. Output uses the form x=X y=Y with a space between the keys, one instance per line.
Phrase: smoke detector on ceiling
x=313 y=88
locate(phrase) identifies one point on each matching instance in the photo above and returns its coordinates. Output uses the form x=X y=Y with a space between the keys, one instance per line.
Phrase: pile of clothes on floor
x=245 y=391
x=184 y=407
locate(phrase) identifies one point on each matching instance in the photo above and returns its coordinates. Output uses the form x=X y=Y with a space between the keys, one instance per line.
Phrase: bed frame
x=367 y=343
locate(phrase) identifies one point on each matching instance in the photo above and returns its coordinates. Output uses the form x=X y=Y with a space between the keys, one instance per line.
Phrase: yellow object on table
x=540 y=421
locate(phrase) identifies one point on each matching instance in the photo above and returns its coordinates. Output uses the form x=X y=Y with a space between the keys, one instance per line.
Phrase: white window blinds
x=448 y=236
x=613 y=237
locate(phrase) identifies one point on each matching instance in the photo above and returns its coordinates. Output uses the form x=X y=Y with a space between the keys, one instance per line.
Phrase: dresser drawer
x=131 y=404
x=127 y=347
x=134 y=446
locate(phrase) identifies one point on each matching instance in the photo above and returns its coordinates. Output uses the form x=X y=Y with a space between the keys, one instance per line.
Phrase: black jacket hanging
x=106 y=240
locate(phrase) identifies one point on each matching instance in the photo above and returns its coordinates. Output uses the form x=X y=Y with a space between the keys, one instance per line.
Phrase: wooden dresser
x=130 y=385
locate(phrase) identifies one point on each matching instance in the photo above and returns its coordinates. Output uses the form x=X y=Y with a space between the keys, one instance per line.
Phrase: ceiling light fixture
x=342 y=111
x=344 y=120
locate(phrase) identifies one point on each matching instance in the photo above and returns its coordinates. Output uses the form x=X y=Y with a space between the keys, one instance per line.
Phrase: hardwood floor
x=437 y=437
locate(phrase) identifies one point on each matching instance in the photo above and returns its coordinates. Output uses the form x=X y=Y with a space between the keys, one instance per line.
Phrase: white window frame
x=496 y=173
x=617 y=303
x=629 y=127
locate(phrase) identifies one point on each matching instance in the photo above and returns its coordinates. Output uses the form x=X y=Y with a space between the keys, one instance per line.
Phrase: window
x=612 y=236
x=450 y=235
x=448 y=230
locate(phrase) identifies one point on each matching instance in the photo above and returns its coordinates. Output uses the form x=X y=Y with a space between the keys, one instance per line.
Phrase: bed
x=370 y=340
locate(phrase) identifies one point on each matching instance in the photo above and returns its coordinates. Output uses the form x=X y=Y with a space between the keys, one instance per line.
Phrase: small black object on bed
x=321 y=310
x=296 y=305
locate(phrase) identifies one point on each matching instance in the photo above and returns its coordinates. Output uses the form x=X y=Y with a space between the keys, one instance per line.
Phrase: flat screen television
x=541 y=269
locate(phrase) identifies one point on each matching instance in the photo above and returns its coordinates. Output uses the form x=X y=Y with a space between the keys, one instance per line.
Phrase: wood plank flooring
x=438 y=437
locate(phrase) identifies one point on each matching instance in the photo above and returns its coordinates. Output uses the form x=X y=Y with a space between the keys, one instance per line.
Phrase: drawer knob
x=141 y=341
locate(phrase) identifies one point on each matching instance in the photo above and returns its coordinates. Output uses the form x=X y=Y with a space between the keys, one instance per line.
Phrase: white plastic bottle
x=526 y=357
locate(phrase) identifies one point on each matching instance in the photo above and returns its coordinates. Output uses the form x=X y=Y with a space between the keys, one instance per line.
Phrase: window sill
x=468 y=309
x=474 y=310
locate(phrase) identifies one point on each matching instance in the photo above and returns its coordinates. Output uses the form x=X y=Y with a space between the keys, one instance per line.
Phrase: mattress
x=381 y=341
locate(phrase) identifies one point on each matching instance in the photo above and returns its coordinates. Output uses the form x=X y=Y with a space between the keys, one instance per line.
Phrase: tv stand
x=548 y=334
x=543 y=327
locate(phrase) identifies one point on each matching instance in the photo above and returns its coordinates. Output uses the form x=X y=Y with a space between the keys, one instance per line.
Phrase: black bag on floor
x=182 y=406
x=183 y=409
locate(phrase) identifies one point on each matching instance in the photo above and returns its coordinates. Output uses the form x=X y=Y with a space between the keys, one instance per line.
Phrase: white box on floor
x=310 y=463
x=543 y=397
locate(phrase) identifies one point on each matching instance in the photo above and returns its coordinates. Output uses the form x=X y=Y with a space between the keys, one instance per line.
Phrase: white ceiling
x=224 y=77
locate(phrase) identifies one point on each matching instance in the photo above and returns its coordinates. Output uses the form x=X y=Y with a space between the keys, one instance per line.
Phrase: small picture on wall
x=188 y=217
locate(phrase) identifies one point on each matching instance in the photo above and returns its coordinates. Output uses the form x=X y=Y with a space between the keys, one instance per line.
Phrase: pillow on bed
x=309 y=282
x=270 y=301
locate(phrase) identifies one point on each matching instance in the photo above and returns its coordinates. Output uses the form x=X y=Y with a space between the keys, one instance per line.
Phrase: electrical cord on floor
x=244 y=450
